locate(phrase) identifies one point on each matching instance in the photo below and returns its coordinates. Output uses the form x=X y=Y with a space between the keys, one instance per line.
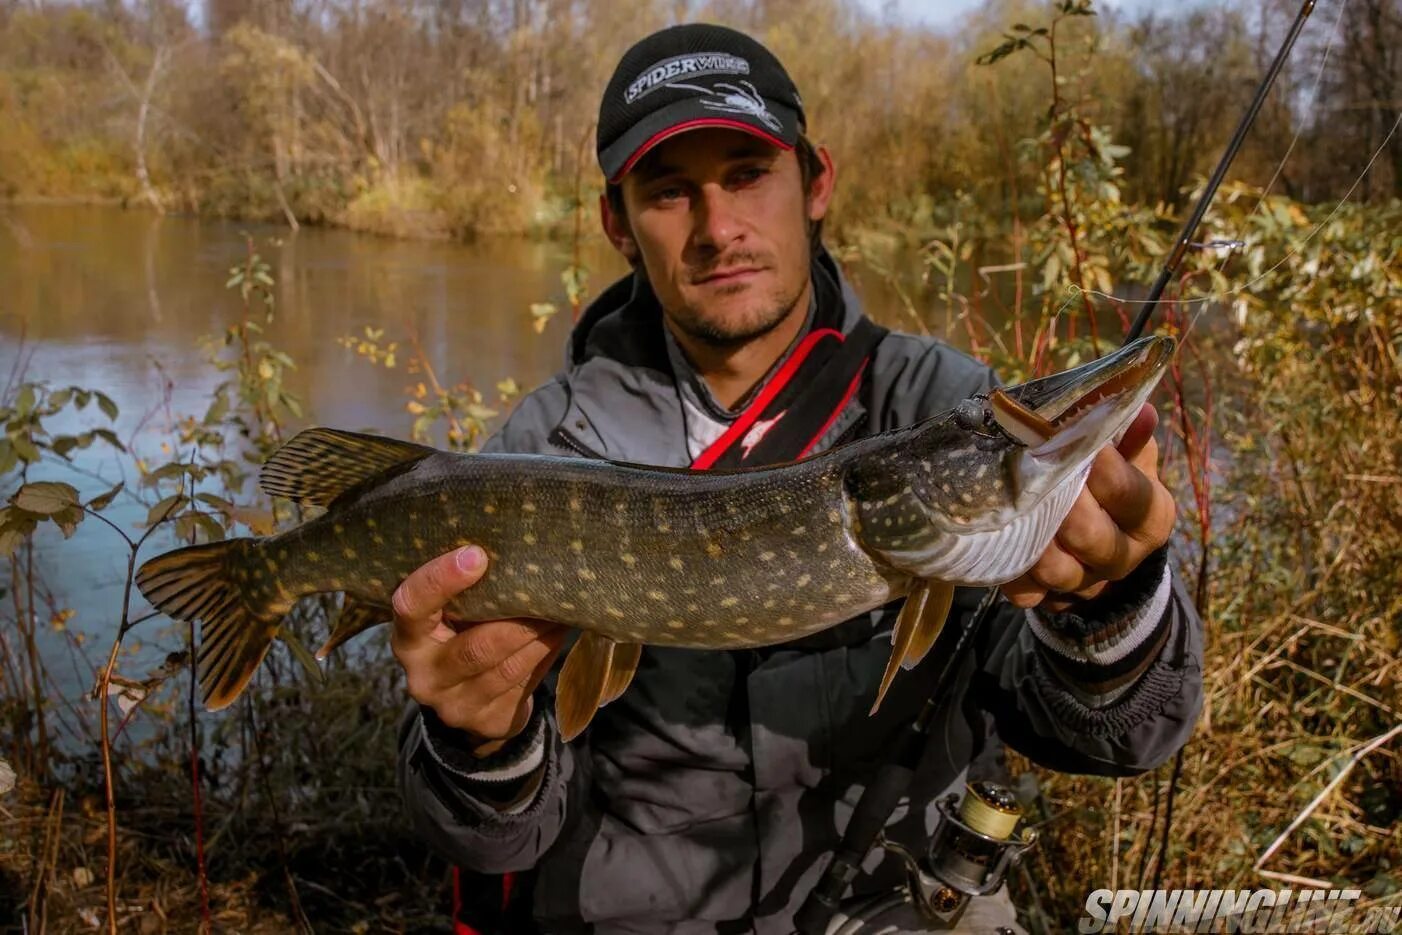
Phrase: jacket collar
x=624 y=401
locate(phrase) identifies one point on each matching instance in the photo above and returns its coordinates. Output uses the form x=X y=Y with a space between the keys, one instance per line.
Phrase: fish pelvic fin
x=356 y=617
x=921 y=619
x=202 y=583
x=596 y=671
x=320 y=464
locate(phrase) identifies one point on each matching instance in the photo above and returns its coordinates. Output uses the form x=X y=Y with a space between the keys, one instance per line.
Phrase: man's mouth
x=729 y=275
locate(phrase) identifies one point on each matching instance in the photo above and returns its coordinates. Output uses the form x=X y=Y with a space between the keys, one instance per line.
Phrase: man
x=704 y=799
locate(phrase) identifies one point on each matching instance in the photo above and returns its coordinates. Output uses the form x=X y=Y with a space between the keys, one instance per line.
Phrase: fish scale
x=634 y=555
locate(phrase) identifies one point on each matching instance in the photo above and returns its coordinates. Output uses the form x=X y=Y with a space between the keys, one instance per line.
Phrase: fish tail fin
x=202 y=583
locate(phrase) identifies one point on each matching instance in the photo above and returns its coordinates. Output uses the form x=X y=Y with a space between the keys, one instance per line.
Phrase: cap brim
x=692 y=114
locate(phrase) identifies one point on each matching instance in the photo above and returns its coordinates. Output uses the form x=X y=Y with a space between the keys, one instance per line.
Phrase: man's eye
x=670 y=193
x=752 y=174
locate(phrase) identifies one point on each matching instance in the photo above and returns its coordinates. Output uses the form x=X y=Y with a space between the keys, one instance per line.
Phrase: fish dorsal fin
x=922 y=617
x=320 y=464
x=596 y=672
x=356 y=617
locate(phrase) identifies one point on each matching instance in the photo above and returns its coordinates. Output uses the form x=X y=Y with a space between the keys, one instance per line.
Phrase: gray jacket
x=706 y=797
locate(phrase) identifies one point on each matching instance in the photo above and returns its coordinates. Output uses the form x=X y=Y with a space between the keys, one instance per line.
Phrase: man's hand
x=1123 y=514
x=479 y=677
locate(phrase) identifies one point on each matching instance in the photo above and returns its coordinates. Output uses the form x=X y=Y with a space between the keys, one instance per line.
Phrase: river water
x=118 y=301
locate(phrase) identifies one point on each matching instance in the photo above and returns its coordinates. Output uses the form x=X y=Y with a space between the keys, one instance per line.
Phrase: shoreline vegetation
x=1033 y=165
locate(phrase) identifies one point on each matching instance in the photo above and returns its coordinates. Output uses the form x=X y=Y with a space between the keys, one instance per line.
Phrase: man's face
x=719 y=219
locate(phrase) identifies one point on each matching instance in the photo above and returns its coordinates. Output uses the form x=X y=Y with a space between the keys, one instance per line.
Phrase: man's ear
x=821 y=186
x=617 y=231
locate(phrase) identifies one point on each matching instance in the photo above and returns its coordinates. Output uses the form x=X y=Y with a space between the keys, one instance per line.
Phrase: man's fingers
x=422 y=596
x=1139 y=433
x=524 y=669
x=1090 y=536
x=1122 y=489
x=483 y=648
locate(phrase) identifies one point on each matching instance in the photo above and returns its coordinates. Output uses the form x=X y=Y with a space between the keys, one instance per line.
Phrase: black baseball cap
x=696 y=75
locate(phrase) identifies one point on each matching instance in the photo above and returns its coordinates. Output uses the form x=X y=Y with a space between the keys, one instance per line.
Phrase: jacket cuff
x=508 y=778
x=1104 y=645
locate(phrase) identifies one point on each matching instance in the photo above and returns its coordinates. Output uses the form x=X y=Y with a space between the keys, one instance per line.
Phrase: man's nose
x=717 y=222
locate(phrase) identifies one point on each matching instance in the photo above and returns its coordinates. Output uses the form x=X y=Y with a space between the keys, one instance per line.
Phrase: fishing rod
x=955 y=879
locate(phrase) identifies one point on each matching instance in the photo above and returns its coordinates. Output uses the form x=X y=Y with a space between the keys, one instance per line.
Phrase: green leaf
x=81 y=398
x=25 y=449
x=110 y=437
x=24 y=402
x=45 y=497
x=103 y=500
x=68 y=520
x=108 y=407
x=213 y=532
x=12 y=536
x=217 y=409
x=185 y=527
x=59 y=398
x=165 y=508
x=301 y=654
x=63 y=444
x=8 y=456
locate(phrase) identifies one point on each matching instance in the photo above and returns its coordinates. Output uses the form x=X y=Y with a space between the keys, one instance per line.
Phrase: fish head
x=982 y=491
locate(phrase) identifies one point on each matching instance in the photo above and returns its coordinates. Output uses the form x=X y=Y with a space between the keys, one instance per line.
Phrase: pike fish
x=633 y=555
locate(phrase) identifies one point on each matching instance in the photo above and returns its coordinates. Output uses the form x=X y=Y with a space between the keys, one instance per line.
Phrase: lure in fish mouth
x=632 y=555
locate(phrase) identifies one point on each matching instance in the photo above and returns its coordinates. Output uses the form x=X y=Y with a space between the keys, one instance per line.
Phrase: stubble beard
x=726 y=334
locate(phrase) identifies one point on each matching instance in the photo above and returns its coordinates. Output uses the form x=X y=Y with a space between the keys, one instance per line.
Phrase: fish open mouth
x=1120 y=375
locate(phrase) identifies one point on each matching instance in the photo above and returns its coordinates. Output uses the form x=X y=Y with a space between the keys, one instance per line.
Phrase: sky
x=939 y=14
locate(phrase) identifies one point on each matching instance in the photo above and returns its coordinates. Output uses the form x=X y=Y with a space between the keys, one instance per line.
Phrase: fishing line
x=1290 y=254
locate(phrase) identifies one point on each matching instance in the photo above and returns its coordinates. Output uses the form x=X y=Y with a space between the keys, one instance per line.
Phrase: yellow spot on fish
x=377 y=582
x=729 y=601
x=313 y=556
x=348 y=552
x=833 y=517
x=489 y=508
x=689 y=592
x=576 y=546
x=717 y=581
x=336 y=584
x=676 y=624
x=566 y=605
x=785 y=621
x=442 y=498
x=676 y=563
x=452 y=522
x=766 y=556
x=663 y=527
x=803 y=580
x=575 y=505
x=615 y=613
x=770 y=604
x=377 y=539
x=822 y=546
x=272 y=566
x=629 y=559
x=799 y=530
x=523 y=597
x=413 y=516
x=337 y=528
x=533 y=568
x=419 y=543
x=528 y=538
x=528 y=506
x=657 y=595
x=692 y=608
x=587 y=575
x=742 y=620
x=713 y=549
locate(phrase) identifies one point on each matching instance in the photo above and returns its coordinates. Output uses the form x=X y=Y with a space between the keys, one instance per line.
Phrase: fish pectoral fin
x=596 y=671
x=355 y=618
x=625 y=665
x=918 y=626
x=320 y=464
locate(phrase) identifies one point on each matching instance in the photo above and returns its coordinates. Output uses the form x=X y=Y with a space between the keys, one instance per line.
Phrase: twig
x=1358 y=754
